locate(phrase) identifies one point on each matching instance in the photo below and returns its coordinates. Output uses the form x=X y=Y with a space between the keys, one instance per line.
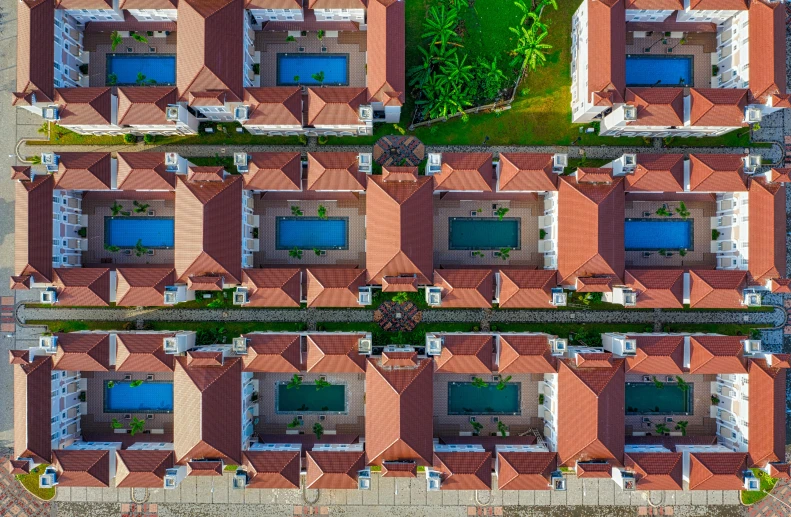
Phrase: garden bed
x=30 y=482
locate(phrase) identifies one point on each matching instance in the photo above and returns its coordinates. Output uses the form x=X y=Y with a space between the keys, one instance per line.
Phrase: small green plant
x=662 y=252
x=116 y=208
x=658 y=384
x=540 y=399
x=478 y=254
x=318 y=430
x=295 y=253
x=320 y=34
x=110 y=384
x=115 y=40
x=663 y=212
x=83 y=232
x=682 y=426
x=257 y=68
x=501 y=212
x=682 y=211
x=115 y=424
x=148 y=138
x=137 y=425
x=139 y=37
x=135 y=383
x=294 y=423
x=502 y=428
x=505 y=253
x=662 y=428
x=715 y=70
x=715 y=234
x=322 y=383
x=317 y=252
x=318 y=77
x=542 y=233
x=140 y=250
x=296 y=79
x=682 y=384
x=81 y=396
x=479 y=383
x=111 y=249
x=290 y=38
x=476 y=427
x=715 y=400
x=323 y=139
x=682 y=252
x=141 y=208
x=322 y=212
x=503 y=381
x=112 y=79
x=129 y=138
x=295 y=211
x=84 y=69
x=401 y=297
x=294 y=383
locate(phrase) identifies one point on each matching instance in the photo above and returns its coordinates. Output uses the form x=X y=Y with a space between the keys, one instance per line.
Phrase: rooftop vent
x=557 y=481
x=434 y=163
x=752 y=346
x=239 y=479
x=629 y=346
x=433 y=345
x=171 y=295
x=172 y=162
x=434 y=296
x=752 y=115
x=49 y=478
x=629 y=163
x=559 y=163
x=752 y=162
x=50 y=113
x=752 y=298
x=750 y=481
x=50 y=161
x=629 y=298
x=629 y=113
x=49 y=344
x=433 y=480
x=365 y=162
x=366 y=113
x=628 y=483
x=559 y=345
x=241 y=113
x=365 y=346
x=240 y=160
x=49 y=295
x=239 y=345
x=170 y=345
x=364 y=296
x=241 y=296
x=364 y=479
x=559 y=297
x=172 y=113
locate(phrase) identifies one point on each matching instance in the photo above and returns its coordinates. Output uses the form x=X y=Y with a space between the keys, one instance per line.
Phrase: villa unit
x=324 y=410
x=660 y=68
x=645 y=231
x=164 y=67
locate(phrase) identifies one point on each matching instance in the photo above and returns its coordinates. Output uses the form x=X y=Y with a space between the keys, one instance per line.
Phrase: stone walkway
x=777 y=506
x=15 y=501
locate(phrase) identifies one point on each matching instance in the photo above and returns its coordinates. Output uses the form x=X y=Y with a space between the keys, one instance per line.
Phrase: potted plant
x=715 y=400
x=502 y=428
x=294 y=383
x=682 y=426
x=476 y=427
x=322 y=212
x=501 y=385
x=658 y=384
x=318 y=430
x=295 y=211
x=479 y=383
x=662 y=428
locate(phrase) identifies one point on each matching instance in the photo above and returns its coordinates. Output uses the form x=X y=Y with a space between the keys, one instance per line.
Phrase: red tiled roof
x=399 y=411
x=272 y=469
x=594 y=470
x=718 y=107
x=527 y=288
x=21 y=172
x=275 y=106
x=525 y=470
x=780 y=175
x=145 y=105
x=205 y=468
x=399 y=469
x=82 y=286
x=33 y=228
x=334 y=287
x=768 y=48
x=84 y=106
x=527 y=172
x=400 y=227
x=399 y=359
x=781 y=285
x=207 y=62
x=22 y=283
x=18 y=467
x=656 y=470
x=337 y=106
x=395 y=284
x=273 y=287
x=82 y=352
x=335 y=353
x=708 y=5
x=272 y=353
x=465 y=353
x=464 y=470
x=465 y=172
x=717 y=173
x=670 y=5
x=205 y=283
x=273 y=4
x=590 y=415
x=711 y=355
x=143 y=286
x=83 y=171
x=147 y=4
x=337 y=4
x=142 y=352
x=656 y=288
x=35 y=51
x=594 y=360
x=209 y=228
x=334 y=171
x=590 y=229
x=767 y=230
x=606 y=49
x=766 y=413
x=205 y=173
x=334 y=469
x=657 y=106
x=144 y=171
x=594 y=284
x=274 y=171
x=716 y=470
x=82 y=468
x=657 y=355
x=208 y=419
x=657 y=173
x=142 y=468
x=465 y=287
x=525 y=353
x=717 y=288
x=201 y=358
x=32 y=408
x=779 y=470
x=386 y=77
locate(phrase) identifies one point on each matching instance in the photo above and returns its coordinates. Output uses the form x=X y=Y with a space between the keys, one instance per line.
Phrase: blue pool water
x=154 y=232
x=157 y=67
x=657 y=234
x=149 y=397
x=334 y=66
x=483 y=233
x=307 y=233
x=647 y=70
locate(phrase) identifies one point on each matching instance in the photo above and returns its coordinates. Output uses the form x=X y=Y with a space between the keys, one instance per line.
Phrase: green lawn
x=30 y=482
x=767 y=484
x=381 y=338
x=728 y=329
x=74 y=326
x=590 y=333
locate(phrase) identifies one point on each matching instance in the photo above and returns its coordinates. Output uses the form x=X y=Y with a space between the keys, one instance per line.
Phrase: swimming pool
x=650 y=70
x=160 y=68
x=293 y=69
x=644 y=398
x=464 y=398
x=149 y=397
x=307 y=398
x=153 y=232
x=307 y=233
x=483 y=233
x=658 y=234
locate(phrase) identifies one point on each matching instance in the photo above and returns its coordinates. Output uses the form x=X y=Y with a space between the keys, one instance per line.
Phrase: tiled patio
x=269 y=422
x=98 y=209
x=270 y=44
x=269 y=210
x=527 y=211
x=450 y=425
x=98 y=44
x=701 y=58
x=699 y=256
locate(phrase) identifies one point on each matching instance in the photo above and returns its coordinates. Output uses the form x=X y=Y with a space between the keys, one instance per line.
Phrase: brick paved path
x=771 y=506
x=15 y=501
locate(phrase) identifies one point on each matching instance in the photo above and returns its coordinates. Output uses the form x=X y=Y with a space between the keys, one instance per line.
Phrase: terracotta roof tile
x=672 y=5
x=399 y=469
x=82 y=352
x=606 y=49
x=331 y=469
x=716 y=470
x=657 y=355
x=32 y=408
x=82 y=468
x=525 y=353
x=82 y=287
x=145 y=105
x=527 y=288
x=767 y=230
x=334 y=287
x=400 y=174
x=656 y=288
x=334 y=171
x=767 y=47
x=779 y=470
x=464 y=470
x=337 y=4
x=147 y=4
x=143 y=286
x=717 y=173
x=465 y=287
x=335 y=353
x=405 y=359
x=766 y=413
x=525 y=470
x=657 y=106
x=465 y=172
x=22 y=283
x=780 y=175
x=594 y=470
x=657 y=173
x=142 y=468
x=386 y=45
x=272 y=469
x=273 y=287
x=717 y=288
x=205 y=173
x=336 y=106
x=708 y=5
x=394 y=284
x=144 y=171
x=273 y=353
x=35 y=50
x=205 y=283
x=204 y=358
x=781 y=285
x=656 y=470
x=33 y=228
x=595 y=284
x=711 y=355
x=274 y=171
x=18 y=467
x=522 y=172
x=465 y=353
x=21 y=172
x=718 y=107
x=594 y=360
x=84 y=106
x=83 y=171
x=205 y=468
x=142 y=352
x=275 y=106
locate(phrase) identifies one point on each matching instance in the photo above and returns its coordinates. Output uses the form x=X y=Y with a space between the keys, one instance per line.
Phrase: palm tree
x=505 y=253
x=322 y=383
x=530 y=50
x=294 y=383
x=319 y=77
x=115 y=424
x=658 y=384
x=682 y=384
x=551 y=3
x=662 y=428
x=141 y=207
x=140 y=250
x=501 y=385
x=502 y=428
x=476 y=427
x=501 y=212
x=682 y=210
x=526 y=10
x=318 y=430
x=139 y=37
x=493 y=77
x=479 y=383
x=682 y=426
x=322 y=212
x=137 y=425
x=295 y=253
x=116 y=208
x=440 y=26
x=535 y=22
x=115 y=40
x=295 y=211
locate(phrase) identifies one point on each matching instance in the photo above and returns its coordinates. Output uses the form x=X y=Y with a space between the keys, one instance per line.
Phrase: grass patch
x=59 y=135
x=218 y=300
x=418 y=298
x=588 y=333
x=381 y=338
x=728 y=329
x=213 y=332
x=74 y=326
x=767 y=484
x=30 y=482
x=231 y=468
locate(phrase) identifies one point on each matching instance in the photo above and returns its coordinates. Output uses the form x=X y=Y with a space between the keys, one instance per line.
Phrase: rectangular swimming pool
x=658 y=234
x=307 y=398
x=159 y=68
x=149 y=397
x=652 y=70
x=644 y=398
x=294 y=69
x=152 y=232
x=466 y=399
x=307 y=233
x=483 y=233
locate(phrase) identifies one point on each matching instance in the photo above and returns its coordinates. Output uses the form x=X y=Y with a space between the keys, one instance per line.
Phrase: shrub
x=715 y=70
x=303 y=139
x=257 y=68
x=542 y=233
x=84 y=69
x=148 y=138
x=323 y=139
x=290 y=38
x=129 y=138
x=83 y=232
x=715 y=234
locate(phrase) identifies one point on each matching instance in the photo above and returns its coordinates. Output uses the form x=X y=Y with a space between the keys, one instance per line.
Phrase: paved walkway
x=15 y=501
x=778 y=504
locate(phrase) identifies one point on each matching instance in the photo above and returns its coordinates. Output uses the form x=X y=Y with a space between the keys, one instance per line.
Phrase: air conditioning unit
x=172 y=113
x=48 y=344
x=51 y=113
x=629 y=346
x=240 y=160
x=241 y=296
x=752 y=115
x=239 y=345
x=433 y=480
x=557 y=481
x=171 y=295
x=365 y=346
x=629 y=113
x=752 y=298
x=559 y=163
x=434 y=296
x=50 y=161
x=241 y=113
x=49 y=478
x=365 y=163
x=433 y=345
x=559 y=297
x=49 y=295
x=559 y=345
x=366 y=113
x=239 y=479
x=364 y=296
x=364 y=479
x=751 y=163
x=629 y=298
x=170 y=345
x=629 y=162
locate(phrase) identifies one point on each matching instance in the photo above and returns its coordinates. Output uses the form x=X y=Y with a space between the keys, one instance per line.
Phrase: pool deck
x=701 y=256
x=270 y=44
x=702 y=59
x=450 y=425
x=527 y=211
x=269 y=210
x=272 y=423
x=98 y=44
x=699 y=422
